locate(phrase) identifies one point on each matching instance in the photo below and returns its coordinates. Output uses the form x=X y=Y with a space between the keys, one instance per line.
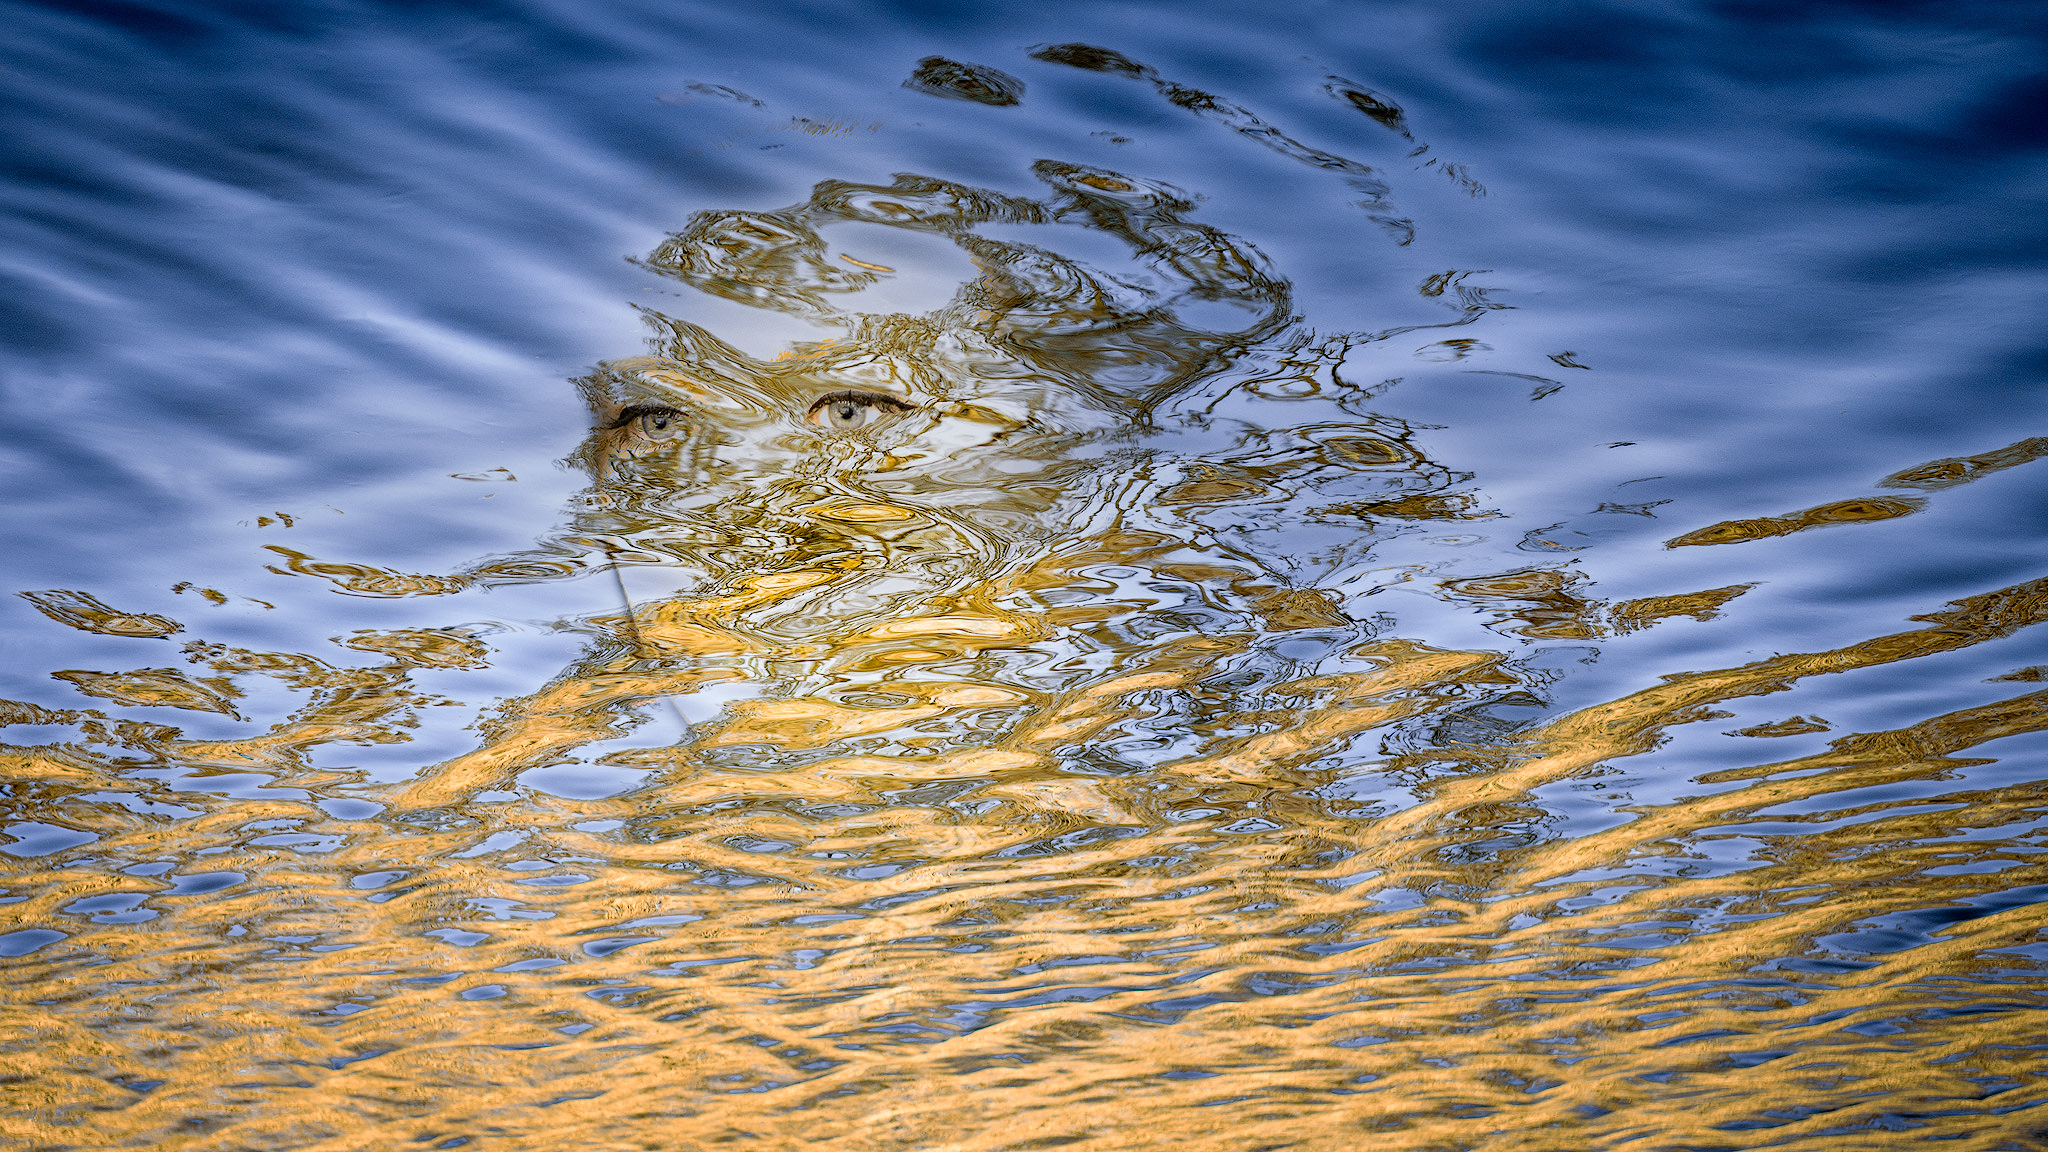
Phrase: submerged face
x=913 y=456
x=992 y=468
x=902 y=496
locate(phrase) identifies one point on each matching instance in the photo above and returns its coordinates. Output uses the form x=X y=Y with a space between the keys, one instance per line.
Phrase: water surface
x=661 y=576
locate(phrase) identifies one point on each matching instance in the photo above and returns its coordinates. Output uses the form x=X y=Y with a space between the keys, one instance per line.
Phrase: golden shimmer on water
x=1065 y=790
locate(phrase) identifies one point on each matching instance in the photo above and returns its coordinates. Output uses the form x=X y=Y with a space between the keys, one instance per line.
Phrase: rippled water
x=1100 y=575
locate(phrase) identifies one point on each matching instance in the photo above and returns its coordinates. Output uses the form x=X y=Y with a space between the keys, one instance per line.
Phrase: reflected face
x=641 y=430
x=908 y=496
x=918 y=462
x=697 y=423
x=688 y=438
x=924 y=452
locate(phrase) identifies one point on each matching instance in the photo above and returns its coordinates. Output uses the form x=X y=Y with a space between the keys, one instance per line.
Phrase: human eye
x=656 y=421
x=845 y=411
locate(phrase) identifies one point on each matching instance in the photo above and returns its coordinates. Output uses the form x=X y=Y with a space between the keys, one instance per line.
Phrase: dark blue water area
x=323 y=259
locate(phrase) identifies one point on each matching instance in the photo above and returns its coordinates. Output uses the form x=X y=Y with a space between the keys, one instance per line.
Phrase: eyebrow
x=858 y=395
x=628 y=415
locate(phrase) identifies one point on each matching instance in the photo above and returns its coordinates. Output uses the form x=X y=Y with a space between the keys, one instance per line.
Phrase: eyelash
x=854 y=396
x=638 y=410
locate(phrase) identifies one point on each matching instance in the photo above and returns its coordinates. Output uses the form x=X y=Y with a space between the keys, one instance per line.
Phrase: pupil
x=845 y=411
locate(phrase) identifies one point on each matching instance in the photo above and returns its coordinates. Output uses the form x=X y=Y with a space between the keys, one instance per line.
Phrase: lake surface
x=965 y=577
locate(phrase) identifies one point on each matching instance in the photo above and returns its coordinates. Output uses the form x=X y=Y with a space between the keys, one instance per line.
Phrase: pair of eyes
x=839 y=412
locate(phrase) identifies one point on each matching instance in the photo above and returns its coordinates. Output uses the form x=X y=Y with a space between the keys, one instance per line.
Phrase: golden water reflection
x=1068 y=787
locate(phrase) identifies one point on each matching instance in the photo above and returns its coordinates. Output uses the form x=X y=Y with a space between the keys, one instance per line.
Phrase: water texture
x=655 y=576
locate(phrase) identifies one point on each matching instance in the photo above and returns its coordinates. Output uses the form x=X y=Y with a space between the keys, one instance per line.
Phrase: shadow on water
x=1042 y=717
